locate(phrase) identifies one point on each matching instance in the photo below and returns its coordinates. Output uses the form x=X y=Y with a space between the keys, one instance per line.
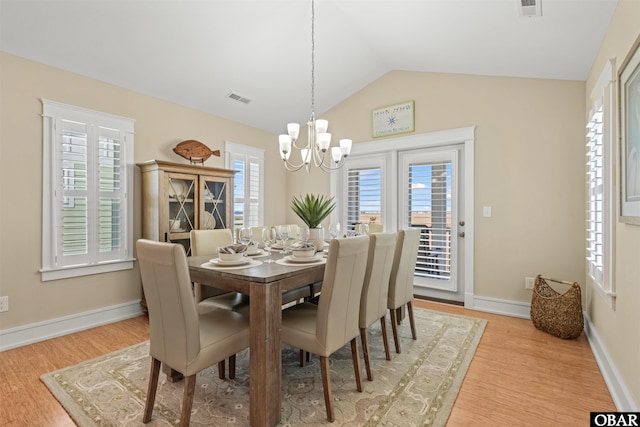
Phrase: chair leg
x=411 y=321
x=365 y=353
x=356 y=364
x=187 y=400
x=221 y=369
x=232 y=367
x=305 y=357
x=154 y=373
x=385 y=340
x=394 y=328
x=326 y=387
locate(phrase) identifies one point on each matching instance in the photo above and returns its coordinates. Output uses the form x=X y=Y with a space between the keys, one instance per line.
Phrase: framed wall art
x=629 y=81
x=393 y=119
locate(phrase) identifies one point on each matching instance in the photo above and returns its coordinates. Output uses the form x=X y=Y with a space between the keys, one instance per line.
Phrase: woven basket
x=555 y=313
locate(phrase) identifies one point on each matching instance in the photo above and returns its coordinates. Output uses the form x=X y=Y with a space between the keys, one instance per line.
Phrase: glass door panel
x=215 y=204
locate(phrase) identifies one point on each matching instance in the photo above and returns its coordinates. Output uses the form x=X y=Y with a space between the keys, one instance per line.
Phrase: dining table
x=264 y=283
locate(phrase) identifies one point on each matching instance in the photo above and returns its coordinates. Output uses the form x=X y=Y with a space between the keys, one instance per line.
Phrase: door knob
x=461 y=223
x=461 y=233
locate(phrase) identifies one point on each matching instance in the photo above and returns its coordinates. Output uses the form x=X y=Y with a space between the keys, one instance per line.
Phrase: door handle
x=461 y=223
x=461 y=233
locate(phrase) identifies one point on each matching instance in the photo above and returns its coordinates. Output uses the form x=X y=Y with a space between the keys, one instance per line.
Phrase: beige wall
x=529 y=166
x=616 y=327
x=159 y=127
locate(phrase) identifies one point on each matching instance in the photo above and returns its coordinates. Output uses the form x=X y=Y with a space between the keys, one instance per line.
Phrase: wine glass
x=304 y=233
x=244 y=236
x=284 y=232
x=269 y=238
x=334 y=230
x=363 y=229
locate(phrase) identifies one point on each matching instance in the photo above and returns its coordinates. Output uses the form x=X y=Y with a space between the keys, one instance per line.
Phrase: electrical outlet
x=528 y=282
x=4 y=304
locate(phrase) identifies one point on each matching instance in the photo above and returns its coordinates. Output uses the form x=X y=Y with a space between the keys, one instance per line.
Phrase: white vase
x=316 y=236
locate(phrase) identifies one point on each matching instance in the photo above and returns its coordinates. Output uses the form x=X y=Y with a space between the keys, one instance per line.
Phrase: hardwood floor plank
x=519 y=375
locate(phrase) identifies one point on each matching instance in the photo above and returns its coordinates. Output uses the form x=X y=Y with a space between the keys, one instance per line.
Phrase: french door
x=420 y=181
x=430 y=198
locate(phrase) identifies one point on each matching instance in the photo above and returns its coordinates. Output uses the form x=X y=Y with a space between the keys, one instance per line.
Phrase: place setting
x=233 y=257
x=302 y=253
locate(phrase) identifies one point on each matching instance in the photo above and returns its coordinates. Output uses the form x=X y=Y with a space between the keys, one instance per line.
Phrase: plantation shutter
x=247 y=194
x=595 y=202
x=89 y=197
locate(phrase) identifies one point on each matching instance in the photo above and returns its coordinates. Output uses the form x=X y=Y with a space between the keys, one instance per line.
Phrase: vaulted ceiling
x=195 y=53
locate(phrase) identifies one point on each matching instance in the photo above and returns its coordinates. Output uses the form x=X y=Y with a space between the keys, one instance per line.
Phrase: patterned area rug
x=417 y=387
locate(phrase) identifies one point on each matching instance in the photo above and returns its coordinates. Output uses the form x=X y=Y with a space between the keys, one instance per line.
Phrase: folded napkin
x=232 y=249
x=301 y=246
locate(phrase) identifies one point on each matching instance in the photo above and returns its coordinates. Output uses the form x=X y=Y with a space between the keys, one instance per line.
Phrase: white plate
x=209 y=221
x=260 y=252
x=218 y=261
x=303 y=260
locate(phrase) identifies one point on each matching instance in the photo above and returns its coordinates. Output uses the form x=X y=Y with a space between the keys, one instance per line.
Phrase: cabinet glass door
x=182 y=212
x=215 y=204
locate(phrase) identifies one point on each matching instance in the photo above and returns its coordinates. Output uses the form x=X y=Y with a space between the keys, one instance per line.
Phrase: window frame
x=235 y=151
x=604 y=94
x=52 y=112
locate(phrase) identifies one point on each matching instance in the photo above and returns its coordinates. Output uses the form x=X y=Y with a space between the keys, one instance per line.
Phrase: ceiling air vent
x=530 y=8
x=239 y=98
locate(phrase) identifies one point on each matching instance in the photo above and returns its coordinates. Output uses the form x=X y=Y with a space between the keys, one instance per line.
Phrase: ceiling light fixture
x=318 y=140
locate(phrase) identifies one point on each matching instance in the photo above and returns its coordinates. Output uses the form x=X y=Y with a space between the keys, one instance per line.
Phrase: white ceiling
x=194 y=53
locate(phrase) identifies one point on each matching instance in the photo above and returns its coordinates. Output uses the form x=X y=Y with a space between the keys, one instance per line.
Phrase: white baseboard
x=40 y=331
x=498 y=306
x=615 y=383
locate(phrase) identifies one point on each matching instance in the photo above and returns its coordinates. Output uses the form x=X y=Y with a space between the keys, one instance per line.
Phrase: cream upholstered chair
x=401 y=282
x=184 y=336
x=207 y=242
x=375 y=291
x=324 y=328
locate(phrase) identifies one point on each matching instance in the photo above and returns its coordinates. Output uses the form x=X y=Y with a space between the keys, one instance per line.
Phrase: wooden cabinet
x=178 y=198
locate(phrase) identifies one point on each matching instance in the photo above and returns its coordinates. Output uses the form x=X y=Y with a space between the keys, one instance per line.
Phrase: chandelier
x=318 y=143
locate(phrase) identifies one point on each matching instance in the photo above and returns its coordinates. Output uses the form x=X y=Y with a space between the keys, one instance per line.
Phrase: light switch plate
x=486 y=211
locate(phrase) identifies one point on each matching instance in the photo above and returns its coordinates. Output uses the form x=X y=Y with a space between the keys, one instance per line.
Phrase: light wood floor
x=518 y=377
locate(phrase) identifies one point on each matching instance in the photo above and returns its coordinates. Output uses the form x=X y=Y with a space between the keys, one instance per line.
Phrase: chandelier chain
x=313 y=60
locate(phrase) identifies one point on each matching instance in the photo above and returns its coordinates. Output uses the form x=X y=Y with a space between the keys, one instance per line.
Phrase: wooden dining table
x=265 y=284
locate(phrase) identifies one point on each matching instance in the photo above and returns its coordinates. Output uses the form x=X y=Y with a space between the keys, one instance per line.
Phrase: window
x=364 y=195
x=428 y=205
x=248 y=184
x=87 y=177
x=600 y=194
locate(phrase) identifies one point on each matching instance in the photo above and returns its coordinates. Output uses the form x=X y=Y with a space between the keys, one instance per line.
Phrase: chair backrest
x=173 y=318
x=207 y=242
x=404 y=265
x=339 y=304
x=373 y=304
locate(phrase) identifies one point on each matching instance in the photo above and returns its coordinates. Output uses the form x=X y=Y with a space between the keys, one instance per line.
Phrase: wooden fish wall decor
x=194 y=151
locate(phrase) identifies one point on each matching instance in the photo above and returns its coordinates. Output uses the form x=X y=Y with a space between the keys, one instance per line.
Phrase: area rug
x=416 y=388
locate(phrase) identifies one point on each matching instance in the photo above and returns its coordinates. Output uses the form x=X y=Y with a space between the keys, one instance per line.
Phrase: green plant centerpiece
x=312 y=210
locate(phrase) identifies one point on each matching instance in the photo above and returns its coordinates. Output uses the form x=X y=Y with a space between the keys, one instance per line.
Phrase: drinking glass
x=269 y=238
x=284 y=232
x=334 y=230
